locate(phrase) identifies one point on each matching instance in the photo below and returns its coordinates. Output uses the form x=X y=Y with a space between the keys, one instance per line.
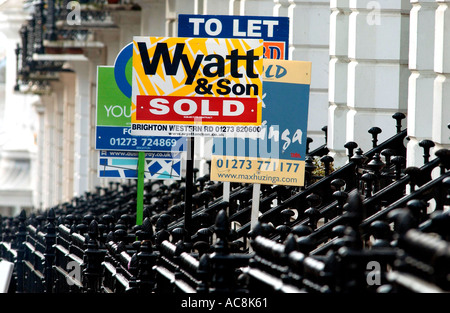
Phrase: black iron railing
x=372 y=225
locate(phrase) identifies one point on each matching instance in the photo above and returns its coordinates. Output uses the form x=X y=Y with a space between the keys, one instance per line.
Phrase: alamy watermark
x=374 y=16
x=373 y=278
x=73 y=272
x=74 y=16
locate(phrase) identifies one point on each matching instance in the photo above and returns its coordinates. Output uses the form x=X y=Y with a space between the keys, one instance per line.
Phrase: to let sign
x=196 y=86
x=274 y=30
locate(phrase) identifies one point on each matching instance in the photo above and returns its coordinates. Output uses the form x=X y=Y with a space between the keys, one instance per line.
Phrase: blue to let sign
x=273 y=30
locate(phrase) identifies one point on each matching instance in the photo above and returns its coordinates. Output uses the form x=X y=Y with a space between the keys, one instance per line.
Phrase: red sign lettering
x=195 y=109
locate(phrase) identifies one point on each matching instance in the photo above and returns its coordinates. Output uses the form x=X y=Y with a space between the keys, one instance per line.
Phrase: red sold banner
x=233 y=111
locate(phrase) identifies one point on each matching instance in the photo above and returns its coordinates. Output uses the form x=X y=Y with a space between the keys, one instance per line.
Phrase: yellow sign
x=190 y=86
x=258 y=170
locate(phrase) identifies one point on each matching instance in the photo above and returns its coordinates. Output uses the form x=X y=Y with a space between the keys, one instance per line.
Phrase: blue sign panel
x=119 y=138
x=124 y=164
x=274 y=30
x=278 y=155
x=283 y=137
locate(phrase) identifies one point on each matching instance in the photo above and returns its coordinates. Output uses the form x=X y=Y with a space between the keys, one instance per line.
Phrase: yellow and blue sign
x=278 y=155
x=196 y=86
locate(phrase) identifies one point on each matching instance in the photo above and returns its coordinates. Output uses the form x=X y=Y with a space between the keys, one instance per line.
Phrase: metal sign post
x=189 y=189
x=140 y=189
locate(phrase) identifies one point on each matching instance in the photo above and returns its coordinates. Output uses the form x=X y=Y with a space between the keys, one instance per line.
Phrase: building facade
x=370 y=59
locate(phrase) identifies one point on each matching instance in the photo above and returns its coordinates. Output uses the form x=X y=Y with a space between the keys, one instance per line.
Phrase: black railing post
x=222 y=273
x=444 y=158
x=398 y=161
x=309 y=169
x=399 y=116
x=376 y=165
x=327 y=160
x=92 y=272
x=414 y=173
x=426 y=145
x=358 y=158
x=374 y=131
x=49 y=254
x=325 y=130
x=387 y=153
x=418 y=209
x=369 y=179
x=20 y=241
x=350 y=146
x=339 y=194
x=146 y=260
x=133 y=269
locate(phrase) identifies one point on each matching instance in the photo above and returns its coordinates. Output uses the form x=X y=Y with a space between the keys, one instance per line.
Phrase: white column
x=441 y=100
x=37 y=165
x=68 y=81
x=95 y=59
x=309 y=41
x=378 y=72
x=235 y=7
x=111 y=39
x=219 y=7
x=338 y=70
x=18 y=115
x=57 y=180
x=129 y=23
x=281 y=8
x=175 y=7
x=81 y=128
x=421 y=81
x=48 y=155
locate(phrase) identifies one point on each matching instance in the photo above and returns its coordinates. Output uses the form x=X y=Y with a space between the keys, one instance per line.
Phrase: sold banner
x=278 y=155
x=196 y=87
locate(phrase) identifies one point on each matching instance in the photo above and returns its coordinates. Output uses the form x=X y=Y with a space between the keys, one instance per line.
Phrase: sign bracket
x=140 y=189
